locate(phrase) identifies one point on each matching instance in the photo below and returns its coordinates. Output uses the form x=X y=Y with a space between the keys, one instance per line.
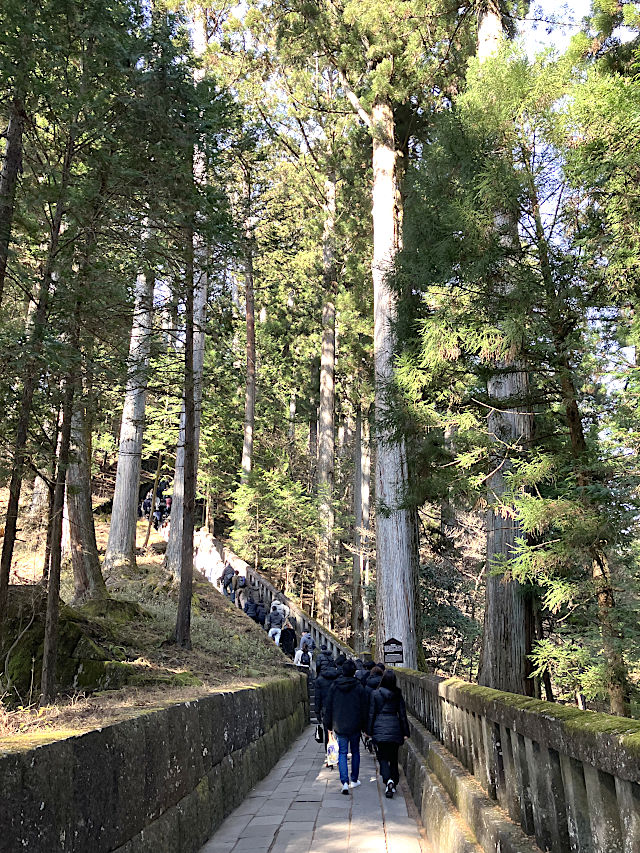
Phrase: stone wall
x=520 y=774
x=162 y=781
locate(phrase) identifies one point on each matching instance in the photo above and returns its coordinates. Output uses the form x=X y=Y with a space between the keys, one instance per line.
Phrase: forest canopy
x=354 y=285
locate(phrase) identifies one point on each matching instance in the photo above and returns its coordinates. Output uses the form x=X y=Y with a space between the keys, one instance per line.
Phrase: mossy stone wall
x=162 y=781
x=569 y=779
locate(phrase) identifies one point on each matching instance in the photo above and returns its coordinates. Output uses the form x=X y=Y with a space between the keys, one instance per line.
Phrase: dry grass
x=229 y=650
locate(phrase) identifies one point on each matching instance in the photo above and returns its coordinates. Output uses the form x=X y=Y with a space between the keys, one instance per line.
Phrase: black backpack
x=305 y=660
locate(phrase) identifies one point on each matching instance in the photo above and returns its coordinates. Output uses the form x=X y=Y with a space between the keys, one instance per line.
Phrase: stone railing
x=162 y=780
x=210 y=560
x=570 y=778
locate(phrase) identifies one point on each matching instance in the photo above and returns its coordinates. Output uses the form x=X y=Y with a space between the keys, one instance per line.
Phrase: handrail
x=211 y=556
x=570 y=778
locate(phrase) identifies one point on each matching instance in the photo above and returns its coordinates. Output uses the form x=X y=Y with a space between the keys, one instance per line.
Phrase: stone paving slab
x=299 y=808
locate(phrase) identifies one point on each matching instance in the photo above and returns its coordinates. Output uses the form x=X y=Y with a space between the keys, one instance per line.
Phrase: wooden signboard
x=393 y=653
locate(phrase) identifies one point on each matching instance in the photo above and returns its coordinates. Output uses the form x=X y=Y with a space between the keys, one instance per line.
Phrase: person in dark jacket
x=388 y=726
x=273 y=624
x=340 y=660
x=288 y=639
x=346 y=716
x=325 y=676
x=261 y=612
x=363 y=674
x=251 y=608
x=324 y=658
x=373 y=682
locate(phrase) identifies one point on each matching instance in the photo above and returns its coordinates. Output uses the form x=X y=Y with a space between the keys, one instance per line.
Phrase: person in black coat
x=261 y=613
x=325 y=657
x=388 y=726
x=288 y=639
x=373 y=681
x=346 y=715
x=325 y=677
x=251 y=608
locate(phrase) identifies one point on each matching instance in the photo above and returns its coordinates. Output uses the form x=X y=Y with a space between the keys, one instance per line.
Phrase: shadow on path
x=299 y=808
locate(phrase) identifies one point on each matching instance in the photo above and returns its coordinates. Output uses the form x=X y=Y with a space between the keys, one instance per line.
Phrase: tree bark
x=173 y=558
x=292 y=420
x=504 y=663
x=30 y=380
x=313 y=423
x=154 y=494
x=395 y=558
x=49 y=654
x=250 y=390
x=360 y=572
x=326 y=421
x=121 y=545
x=88 y=580
x=38 y=509
x=11 y=167
x=183 y=619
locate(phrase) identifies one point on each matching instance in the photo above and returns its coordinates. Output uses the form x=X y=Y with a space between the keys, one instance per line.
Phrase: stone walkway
x=299 y=808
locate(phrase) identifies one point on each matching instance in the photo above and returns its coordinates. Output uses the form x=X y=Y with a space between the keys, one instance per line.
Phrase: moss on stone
x=114 y=610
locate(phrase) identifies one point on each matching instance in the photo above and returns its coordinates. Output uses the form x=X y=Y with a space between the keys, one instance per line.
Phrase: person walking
x=373 y=681
x=225 y=580
x=326 y=674
x=274 y=623
x=250 y=607
x=308 y=639
x=389 y=728
x=302 y=657
x=325 y=657
x=346 y=716
x=288 y=639
x=261 y=612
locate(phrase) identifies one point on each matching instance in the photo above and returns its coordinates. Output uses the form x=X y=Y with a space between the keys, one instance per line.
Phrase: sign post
x=393 y=653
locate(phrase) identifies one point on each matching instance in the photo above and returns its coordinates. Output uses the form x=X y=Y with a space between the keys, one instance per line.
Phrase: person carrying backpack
x=389 y=728
x=303 y=658
x=241 y=590
x=225 y=579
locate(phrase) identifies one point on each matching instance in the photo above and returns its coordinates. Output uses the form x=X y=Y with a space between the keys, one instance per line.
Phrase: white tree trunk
x=360 y=572
x=250 y=316
x=326 y=419
x=173 y=558
x=395 y=558
x=121 y=545
x=38 y=510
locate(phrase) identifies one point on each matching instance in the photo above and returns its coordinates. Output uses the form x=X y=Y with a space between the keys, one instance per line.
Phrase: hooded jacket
x=325 y=658
x=324 y=679
x=346 y=710
x=261 y=613
x=372 y=683
x=275 y=619
x=387 y=716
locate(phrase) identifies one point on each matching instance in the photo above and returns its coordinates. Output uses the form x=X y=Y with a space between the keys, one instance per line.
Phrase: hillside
x=228 y=648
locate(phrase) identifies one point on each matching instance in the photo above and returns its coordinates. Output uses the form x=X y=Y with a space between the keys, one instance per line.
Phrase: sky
x=539 y=35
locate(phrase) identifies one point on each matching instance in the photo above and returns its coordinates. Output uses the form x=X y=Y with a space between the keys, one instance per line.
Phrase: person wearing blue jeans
x=346 y=744
x=346 y=715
